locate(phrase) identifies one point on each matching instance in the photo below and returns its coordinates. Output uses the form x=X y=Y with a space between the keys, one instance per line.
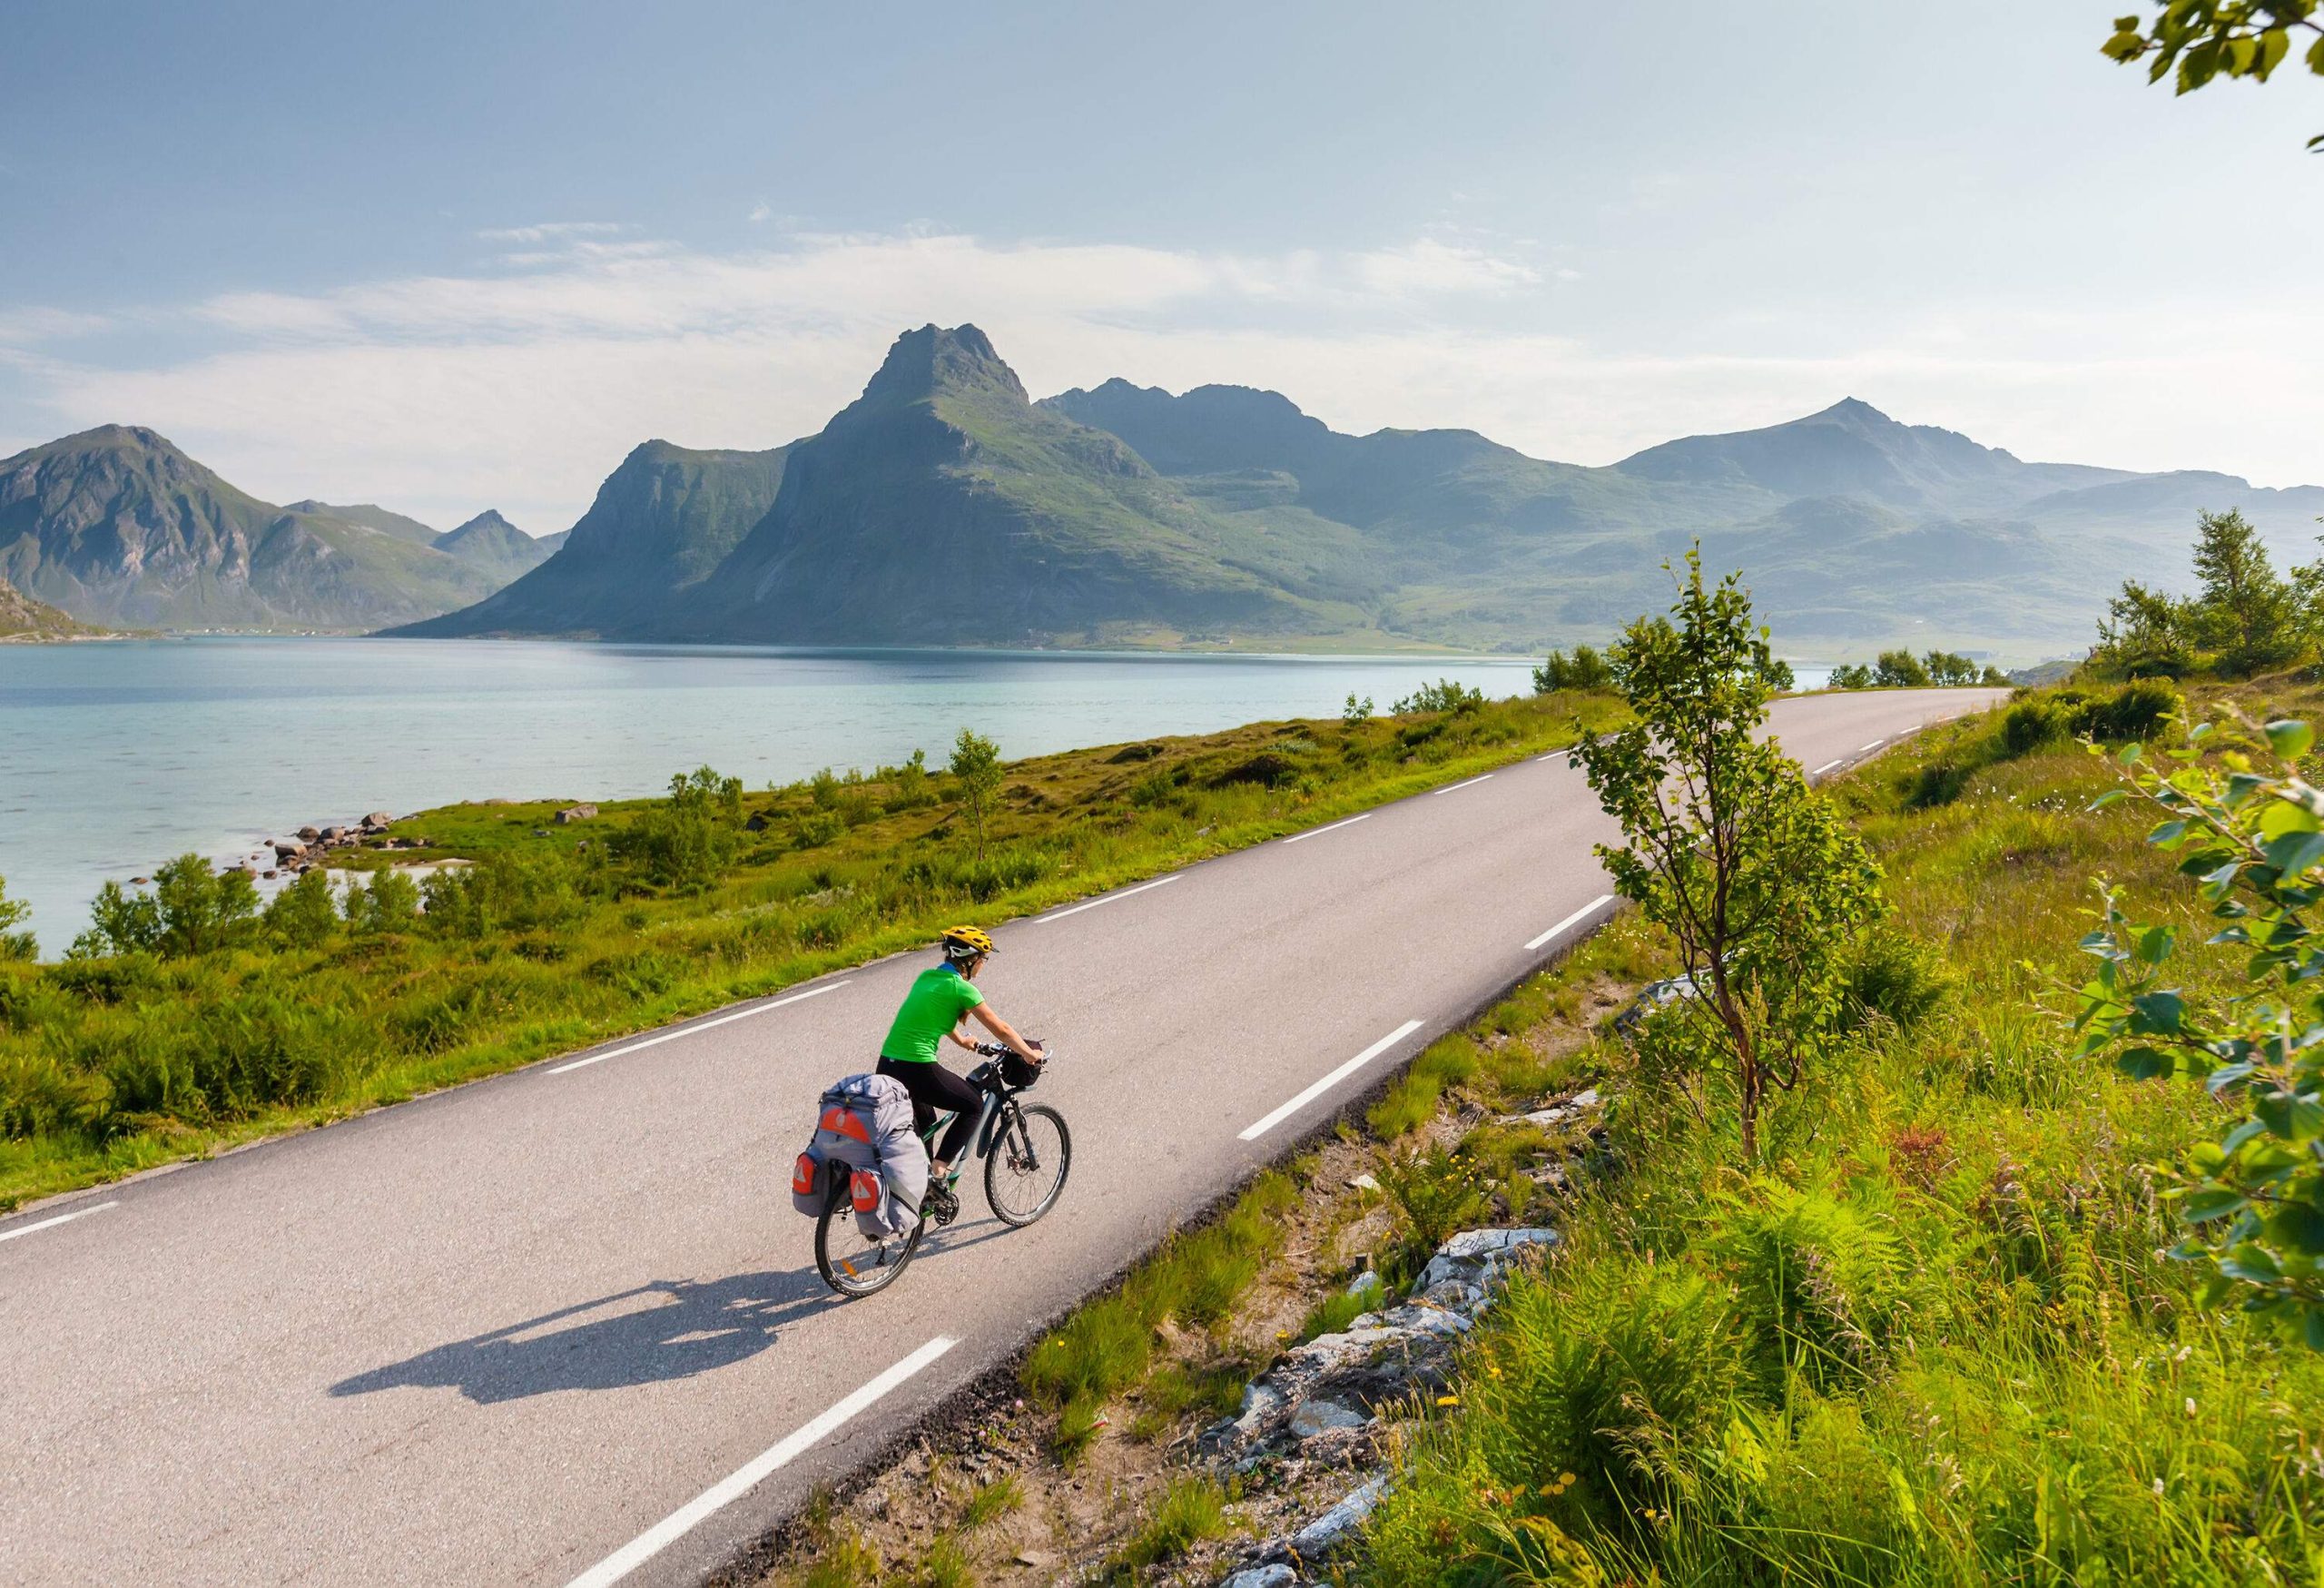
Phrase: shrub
x=303 y=915
x=2031 y=725
x=1585 y=669
x=687 y=842
x=907 y=787
x=2135 y=711
x=391 y=904
x=15 y=944
x=1898 y=977
x=1899 y=670
x=1355 y=711
x=1444 y=696
x=1437 y=1192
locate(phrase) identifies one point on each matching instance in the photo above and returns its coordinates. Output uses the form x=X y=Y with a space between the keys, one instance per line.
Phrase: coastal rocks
x=572 y=813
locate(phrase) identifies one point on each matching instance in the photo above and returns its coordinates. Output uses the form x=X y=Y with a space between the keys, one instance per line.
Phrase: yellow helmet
x=966 y=943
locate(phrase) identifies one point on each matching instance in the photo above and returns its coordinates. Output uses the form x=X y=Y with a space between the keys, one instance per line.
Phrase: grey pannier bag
x=863 y=1129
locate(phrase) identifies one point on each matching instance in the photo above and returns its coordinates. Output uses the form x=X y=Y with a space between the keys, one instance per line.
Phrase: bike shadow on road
x=653 y=1333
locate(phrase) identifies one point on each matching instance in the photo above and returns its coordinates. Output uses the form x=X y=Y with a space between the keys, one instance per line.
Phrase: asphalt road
x=562 y=1325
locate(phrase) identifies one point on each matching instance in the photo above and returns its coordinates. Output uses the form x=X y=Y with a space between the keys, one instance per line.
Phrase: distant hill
x=117 y=526
x=662 y=523
x=372 y=516
x=943 y=506
x=22 y=619
x=496 y=547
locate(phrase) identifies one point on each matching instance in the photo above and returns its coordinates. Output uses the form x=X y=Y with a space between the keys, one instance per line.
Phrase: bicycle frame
x=989 y=1117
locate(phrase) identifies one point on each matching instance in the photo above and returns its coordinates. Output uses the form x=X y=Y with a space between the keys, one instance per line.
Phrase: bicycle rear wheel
x=1025 y=1173
x=849 y=1264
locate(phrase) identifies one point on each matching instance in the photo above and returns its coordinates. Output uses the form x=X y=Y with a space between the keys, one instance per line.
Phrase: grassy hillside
x=186 y=1030
x=1935 y=1339
x=22 y=619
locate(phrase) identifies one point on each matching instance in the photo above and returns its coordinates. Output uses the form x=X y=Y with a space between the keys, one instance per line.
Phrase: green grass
x=1934 y=1337
x=1107 y=1347
x=1193 y=1509
x=993 y=1501
x=110 y=1066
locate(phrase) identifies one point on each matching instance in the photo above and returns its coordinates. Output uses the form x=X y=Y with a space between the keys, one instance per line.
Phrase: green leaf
x=2108 y=798
x=2145 y=1063
x=2294 y=853
x=2160 y=1013
x=2216 y=1203
x=2298 y=1227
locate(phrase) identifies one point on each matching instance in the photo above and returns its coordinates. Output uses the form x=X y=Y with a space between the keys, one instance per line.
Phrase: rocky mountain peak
x=935 y=362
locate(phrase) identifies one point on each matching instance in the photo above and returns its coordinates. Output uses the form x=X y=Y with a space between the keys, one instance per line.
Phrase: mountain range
x=946 y=506
x=115 y=526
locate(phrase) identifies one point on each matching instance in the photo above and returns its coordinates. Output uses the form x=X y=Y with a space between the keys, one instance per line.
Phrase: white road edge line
x=1828 y=766
x=700 y=1025
x=1587 y=910
x=690 y=1516
x=1109 y=898
x=1331 y=1080
x=1319 y=831
x=1554 y=755
x=50 y=1223
x=1454 y=788
x=1876 y=743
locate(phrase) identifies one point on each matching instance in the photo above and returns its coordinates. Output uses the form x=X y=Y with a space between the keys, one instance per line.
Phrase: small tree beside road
x=976 y=765
x=1760 y=885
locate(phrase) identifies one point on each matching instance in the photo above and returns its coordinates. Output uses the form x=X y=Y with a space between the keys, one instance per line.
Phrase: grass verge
x=196 y=1025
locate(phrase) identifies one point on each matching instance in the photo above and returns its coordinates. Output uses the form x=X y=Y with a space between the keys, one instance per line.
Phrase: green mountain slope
x=22 y=619
x=943 y=506
x=372 y=516
x=662 y=523
x=117 y=526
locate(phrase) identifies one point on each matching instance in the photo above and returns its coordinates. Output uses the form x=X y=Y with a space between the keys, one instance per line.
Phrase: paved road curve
x=562 y=1325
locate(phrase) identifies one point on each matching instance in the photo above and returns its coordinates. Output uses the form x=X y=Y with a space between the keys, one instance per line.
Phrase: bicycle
x=1026 y=1151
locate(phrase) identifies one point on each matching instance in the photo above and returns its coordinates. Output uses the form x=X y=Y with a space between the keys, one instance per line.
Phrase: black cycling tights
x=932 y=1088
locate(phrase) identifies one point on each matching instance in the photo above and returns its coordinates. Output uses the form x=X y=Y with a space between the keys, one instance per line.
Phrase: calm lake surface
x=115 y=756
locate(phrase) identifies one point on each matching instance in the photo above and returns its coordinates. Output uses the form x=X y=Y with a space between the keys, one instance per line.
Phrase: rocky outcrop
x=1320 y=1401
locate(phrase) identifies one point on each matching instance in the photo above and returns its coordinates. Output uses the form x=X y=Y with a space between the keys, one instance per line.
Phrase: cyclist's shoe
x=943 y=1202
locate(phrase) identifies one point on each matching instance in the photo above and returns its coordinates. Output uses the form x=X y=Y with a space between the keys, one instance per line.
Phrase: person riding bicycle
x=942 y=998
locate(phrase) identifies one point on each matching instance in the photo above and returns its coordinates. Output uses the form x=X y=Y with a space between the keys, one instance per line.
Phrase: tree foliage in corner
x=1754 y=875
x=2199 y=40
x=2252 y=837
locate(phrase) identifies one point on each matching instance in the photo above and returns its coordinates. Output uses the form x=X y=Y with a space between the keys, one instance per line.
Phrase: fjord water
x=115 y=756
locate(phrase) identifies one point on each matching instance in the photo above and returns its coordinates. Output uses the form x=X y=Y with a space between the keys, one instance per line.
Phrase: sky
x=450 y=257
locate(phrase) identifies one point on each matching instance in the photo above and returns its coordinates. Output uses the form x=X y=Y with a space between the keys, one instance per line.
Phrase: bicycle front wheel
x=1031 y=1154
x=849 y=1264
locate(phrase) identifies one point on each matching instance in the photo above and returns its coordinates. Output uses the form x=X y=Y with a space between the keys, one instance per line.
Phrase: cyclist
x=941 y=999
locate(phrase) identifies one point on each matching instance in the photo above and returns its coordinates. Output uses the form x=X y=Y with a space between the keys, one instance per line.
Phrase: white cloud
x=551 y=230
x=522 y=386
